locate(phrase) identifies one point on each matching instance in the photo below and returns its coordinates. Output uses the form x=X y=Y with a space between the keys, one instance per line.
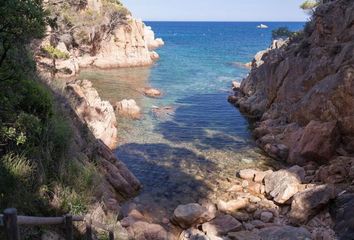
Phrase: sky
x=216 y=10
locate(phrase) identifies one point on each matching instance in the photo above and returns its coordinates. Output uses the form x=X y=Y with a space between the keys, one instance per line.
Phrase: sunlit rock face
x=302 y=91
x=98 y=115
x=95 y=33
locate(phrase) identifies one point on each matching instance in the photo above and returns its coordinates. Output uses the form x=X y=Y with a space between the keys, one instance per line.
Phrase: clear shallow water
x=185 y=154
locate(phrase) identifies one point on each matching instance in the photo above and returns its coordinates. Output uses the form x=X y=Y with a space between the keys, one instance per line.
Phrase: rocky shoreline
x=299 y=92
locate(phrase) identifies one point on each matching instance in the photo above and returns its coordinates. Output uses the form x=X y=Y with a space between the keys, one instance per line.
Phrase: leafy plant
x=282 y=32
x=55 y=53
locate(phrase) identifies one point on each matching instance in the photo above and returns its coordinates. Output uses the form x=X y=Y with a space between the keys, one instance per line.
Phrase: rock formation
x=301 y=91
x=98 y=115
x=95 y=33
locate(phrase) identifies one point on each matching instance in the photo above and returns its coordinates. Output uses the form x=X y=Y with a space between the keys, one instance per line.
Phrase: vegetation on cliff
x=38 y=172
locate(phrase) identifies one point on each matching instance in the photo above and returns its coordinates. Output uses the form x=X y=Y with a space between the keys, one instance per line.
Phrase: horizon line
x=230 y=21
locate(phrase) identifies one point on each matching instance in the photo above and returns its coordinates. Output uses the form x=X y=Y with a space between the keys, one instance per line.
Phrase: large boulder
x=309 y=202
x=282 y=185
x=317 y=143
x=190 y=214
x=342 y=213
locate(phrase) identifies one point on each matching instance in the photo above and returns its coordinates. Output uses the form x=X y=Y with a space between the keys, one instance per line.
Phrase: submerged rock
x=128 y=108
x=152 y=92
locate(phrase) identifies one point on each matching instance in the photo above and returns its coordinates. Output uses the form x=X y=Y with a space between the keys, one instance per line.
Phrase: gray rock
x=282 y=185
x=266 y=217
x=189 y=215
x=284 y=233
x=193 y=234
x=221 y=225
x=243 y=235
x=342 y=213
x=307 y=203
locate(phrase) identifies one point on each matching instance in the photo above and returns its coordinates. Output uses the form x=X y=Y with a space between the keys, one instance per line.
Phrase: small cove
x=187 y=153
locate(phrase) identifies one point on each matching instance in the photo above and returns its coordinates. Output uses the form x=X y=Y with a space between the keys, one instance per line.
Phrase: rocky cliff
x=302 y=91
x=94 y=33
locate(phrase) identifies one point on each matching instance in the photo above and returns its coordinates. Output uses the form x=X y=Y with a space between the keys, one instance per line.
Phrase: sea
x=190 y=141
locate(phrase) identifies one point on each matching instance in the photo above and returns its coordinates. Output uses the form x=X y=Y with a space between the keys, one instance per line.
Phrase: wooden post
x=89 y=229
x=10 y=222
x=68 y=227
x=111 y=235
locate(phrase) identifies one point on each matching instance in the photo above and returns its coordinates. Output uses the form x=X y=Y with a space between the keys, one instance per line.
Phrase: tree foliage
x=20 y=22
x=282 y=32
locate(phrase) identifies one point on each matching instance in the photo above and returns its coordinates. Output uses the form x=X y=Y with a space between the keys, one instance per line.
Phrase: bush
x=282 y=32
x=55 y=53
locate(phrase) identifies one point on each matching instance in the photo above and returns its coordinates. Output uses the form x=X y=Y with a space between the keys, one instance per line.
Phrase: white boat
x=262 y=26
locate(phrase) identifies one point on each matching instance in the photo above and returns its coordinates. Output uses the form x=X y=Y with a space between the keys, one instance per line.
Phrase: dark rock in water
x=342 y=213
x=284 y=233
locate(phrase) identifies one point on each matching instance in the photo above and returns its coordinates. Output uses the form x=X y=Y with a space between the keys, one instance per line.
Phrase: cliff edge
x=302 y=91
x=94 y=33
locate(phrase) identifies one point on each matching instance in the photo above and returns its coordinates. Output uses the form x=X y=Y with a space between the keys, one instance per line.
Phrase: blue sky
x=217 y=10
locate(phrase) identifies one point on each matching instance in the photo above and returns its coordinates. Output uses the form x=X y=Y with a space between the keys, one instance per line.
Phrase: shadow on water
x=170 y=175
x=207 y=121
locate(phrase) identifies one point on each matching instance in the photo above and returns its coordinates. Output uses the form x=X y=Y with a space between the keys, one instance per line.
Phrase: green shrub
x=55 y=53
x=284 y=32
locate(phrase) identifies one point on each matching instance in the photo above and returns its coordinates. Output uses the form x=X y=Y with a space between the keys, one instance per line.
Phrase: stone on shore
x=232 y=205
x=282 y=185
x=147 y=231
x=221 y=225
x=247 y=174
x=190 y=214
x=284 y=233
x=193 y=234
x=259 y=176
x=309 y=202
x=243 y=235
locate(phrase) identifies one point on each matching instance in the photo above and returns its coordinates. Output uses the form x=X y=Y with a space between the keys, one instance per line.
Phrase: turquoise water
x=186 y=152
